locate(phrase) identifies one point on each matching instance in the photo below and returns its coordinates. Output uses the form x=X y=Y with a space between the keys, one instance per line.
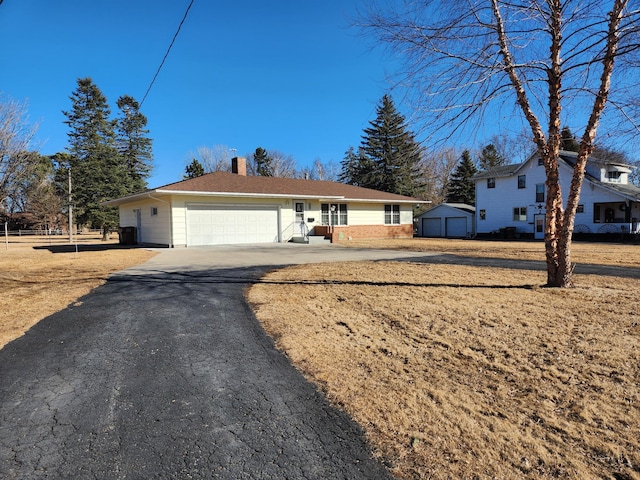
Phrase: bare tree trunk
x=560 y=222
x=565 y=267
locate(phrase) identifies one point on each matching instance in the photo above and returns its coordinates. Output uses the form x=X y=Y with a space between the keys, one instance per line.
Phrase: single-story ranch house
x=233 y=208
x=511 y=198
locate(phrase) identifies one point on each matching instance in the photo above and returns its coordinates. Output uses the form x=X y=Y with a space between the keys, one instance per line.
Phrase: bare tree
x=514 y=147
x=324 y=171
x=281 y=164
x=216 y=158
x=16 y=144
x=550 y=58
x=437 y=168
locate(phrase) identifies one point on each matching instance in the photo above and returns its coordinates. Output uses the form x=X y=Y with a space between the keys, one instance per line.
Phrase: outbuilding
x=449 y=220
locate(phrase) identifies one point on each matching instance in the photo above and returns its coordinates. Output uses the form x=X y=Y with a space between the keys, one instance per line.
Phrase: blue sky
x=285 y=75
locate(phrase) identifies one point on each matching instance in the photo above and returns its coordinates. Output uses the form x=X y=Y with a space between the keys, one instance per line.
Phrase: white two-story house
x=510 y=199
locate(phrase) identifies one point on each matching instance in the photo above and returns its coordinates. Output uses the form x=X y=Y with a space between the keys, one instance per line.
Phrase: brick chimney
x=239 y=166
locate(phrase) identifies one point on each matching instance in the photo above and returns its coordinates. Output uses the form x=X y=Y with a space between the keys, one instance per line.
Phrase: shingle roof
x=220 y=183
x=500 y=171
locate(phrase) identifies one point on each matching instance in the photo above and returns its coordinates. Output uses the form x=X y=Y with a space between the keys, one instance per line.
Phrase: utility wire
x=166 y=54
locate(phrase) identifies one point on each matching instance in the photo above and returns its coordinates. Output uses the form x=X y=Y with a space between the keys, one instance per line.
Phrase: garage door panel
x=456 y=226
x=431 y=227
x=219 y=225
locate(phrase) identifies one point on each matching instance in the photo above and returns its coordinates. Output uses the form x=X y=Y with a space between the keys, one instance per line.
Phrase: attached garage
x=451 y=220
x=223 y=208
x=231 y=224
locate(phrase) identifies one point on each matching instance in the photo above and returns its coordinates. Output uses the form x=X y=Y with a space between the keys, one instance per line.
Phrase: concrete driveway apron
x=164 y=372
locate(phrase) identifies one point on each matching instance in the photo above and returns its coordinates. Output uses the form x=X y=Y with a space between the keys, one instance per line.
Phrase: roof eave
x=162 y=192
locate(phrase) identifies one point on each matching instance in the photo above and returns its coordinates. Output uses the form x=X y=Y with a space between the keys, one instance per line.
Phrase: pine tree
x=194 y=169
x=356 y=168
x=568 y=140
x=97 y=170
x=392 y=152
x=490 y=158
x=461 y=187
x=133 y=144
x=263 y=162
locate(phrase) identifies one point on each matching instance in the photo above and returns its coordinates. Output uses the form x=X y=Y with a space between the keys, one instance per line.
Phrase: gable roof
x=457 y=206
x=461 y=206
x=629 y=191
x=499 y=171
x=231 y=184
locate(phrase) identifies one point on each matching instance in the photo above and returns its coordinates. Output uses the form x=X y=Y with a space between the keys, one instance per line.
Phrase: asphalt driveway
x=164 y=372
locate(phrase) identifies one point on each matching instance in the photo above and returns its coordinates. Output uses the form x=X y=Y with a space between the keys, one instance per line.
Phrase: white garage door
x=222 y=225
x=456 y=226
x=431 y=227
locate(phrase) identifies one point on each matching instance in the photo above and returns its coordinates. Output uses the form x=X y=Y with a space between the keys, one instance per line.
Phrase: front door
x=538 y=225
x=299 y=227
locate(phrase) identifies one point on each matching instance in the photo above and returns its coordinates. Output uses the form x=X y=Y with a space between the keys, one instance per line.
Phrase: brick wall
x=352 y=232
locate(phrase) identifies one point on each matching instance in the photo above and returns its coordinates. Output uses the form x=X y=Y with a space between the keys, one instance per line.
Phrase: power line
x=166 y=54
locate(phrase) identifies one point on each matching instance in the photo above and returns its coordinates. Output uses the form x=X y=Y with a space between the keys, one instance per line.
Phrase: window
x=334 y=213
x=580 y=209
x=392 y=214
x=520 y=214
x=491 y=183
x=522 y=181
x=540 y=162
x=614 y=177
x=540 y=192
x=483 y=214
x=154 y=211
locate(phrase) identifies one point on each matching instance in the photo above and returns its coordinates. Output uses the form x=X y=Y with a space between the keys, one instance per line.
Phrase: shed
x=450 y=220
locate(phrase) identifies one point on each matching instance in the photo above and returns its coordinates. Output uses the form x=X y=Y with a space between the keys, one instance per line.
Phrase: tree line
x=109 y=157
x=106 y=158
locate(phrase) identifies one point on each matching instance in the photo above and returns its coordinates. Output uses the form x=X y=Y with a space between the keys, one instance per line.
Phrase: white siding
x=169 y=226
x=499 y=202
x=154 y=229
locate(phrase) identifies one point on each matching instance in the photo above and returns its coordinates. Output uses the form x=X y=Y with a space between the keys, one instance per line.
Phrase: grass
x=36 y=282
x=453 y=371
x=460 y=371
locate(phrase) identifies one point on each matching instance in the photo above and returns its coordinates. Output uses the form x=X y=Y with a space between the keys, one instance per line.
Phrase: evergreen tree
x=97 y=170
x=356 y=168
x=133 y=144
x=391 y=153
x=490 y=158
x=263 y=162
x=568 y=141
x=194 y=169
x=461 y=187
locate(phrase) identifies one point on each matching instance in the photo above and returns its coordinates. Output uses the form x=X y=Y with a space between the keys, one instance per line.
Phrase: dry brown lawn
x=471 y=372
x=34 y=282
x=621 y=255
x=453 y=371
